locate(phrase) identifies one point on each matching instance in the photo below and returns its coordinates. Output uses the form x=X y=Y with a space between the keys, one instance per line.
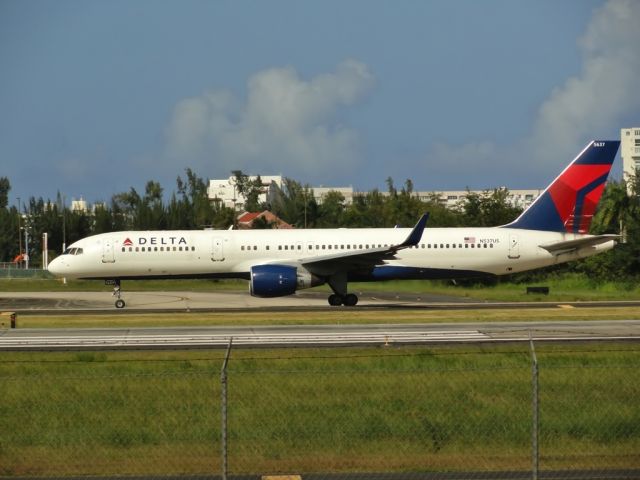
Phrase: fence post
x=223 y=381
x=534 y=410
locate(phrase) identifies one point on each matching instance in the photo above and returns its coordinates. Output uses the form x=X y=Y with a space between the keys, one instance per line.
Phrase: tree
x=5 y=187
x=250 y=189
x=331 y=210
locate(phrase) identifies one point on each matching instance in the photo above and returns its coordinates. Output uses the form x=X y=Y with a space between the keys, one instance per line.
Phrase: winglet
x=416 y=234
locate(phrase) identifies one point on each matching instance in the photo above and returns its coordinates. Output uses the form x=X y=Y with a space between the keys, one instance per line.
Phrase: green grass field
x=318 y=410
x=320 y=317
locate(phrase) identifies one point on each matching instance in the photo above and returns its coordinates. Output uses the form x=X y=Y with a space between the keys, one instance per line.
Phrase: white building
x=319 y=193
x=453 y=198
x=226 y=191
x=630 y=151
x=79 y=206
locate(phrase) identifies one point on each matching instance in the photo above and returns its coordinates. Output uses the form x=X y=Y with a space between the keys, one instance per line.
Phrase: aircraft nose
x=57 y=267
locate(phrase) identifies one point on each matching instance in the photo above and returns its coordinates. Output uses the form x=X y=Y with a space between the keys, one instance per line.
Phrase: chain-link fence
x=410 y=412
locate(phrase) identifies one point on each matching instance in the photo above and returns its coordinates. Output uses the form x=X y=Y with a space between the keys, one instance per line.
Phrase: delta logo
x=156 y=241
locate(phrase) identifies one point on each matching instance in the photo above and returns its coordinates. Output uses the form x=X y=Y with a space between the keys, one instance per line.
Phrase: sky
x=97 y=97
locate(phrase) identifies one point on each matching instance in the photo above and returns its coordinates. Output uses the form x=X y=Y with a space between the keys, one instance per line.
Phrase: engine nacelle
x=280 y=280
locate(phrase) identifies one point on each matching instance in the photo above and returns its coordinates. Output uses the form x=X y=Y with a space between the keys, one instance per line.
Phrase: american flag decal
x=469 y=239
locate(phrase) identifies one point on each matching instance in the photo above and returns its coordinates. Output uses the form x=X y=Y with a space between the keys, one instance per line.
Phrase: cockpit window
x=73 y=251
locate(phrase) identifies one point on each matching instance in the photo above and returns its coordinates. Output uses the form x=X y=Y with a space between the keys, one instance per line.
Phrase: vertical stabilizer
x=569 y=203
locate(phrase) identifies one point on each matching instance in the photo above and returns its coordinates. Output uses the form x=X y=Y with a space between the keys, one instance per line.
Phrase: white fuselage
x=441 y=252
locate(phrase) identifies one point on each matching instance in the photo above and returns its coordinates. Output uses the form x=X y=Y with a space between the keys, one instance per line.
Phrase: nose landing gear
x=116 y=292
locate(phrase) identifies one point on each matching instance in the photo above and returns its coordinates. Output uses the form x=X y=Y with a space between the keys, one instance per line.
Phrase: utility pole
x=64 y=225
x=19 y=229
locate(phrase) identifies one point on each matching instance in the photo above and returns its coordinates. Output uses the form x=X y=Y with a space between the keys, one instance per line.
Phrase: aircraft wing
x=362 y=259
x=570 y=245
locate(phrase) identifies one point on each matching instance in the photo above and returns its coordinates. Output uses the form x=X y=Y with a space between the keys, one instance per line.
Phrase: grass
x=318 y=410
x=322 y=317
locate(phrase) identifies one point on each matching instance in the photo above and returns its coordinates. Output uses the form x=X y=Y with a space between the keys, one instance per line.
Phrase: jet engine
x=280 y=280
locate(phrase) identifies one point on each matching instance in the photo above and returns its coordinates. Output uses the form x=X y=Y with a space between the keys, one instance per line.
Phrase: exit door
x=514 y=246
x=108 y=251
x=217 y=249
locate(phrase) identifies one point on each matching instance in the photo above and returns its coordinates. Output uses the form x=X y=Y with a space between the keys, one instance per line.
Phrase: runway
x=322 y=335
x=75 y=303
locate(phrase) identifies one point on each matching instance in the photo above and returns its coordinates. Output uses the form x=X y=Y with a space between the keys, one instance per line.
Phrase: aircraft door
x=514 y=246
x=217 y=250
x=108 y=251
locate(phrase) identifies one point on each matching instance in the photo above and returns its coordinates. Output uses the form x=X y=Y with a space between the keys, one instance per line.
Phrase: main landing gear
x=116 y=292
x=338 y=284
x=349 y=300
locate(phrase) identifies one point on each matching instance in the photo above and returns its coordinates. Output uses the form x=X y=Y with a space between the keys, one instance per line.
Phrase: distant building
x=79 y=206
x=630 y=152
x=225 y=191
x=319 y=193
x=453 y=198
x=245 y=221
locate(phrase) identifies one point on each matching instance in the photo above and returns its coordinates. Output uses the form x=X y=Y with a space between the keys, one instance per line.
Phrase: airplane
x=552 y=230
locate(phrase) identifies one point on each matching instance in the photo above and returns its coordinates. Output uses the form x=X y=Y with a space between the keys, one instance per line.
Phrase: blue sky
x=100 y=96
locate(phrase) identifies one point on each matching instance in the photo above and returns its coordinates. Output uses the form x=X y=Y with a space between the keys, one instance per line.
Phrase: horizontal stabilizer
x=584 y=242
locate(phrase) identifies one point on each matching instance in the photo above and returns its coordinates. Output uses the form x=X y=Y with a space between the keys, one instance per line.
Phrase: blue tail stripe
x=581 y=196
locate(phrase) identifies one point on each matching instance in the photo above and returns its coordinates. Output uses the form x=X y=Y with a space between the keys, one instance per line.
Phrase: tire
x=335 y=300
x=120 y=303
x=351 y=300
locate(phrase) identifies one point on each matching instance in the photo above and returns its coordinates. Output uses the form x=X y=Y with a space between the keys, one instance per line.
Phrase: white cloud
x=603 y=93
x=587 y=106
x=286 y=124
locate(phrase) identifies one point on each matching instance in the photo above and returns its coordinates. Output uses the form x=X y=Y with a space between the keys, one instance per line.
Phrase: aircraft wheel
x=350 y=300
x=335 y=300
x=120 y=303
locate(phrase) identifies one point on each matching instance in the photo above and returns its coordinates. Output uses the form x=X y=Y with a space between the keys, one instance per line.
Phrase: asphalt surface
x=167 y=302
